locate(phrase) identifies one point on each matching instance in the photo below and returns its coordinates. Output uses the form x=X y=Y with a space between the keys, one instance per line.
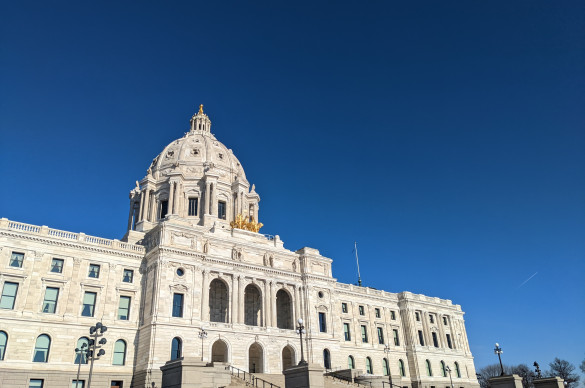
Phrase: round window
x=320 y=294
x=180 y=271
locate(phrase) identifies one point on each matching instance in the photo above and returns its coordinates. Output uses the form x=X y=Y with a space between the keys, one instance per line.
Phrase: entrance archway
x=283 y=310
x=219 y=352
x=218 y=301
x=288 y=357
x=255 y=358
x=252 y=306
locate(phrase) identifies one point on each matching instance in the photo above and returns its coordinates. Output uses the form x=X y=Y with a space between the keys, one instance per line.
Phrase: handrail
x=241 y=374
x=347 y=380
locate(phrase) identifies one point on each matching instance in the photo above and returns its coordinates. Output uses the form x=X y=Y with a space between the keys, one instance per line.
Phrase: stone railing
x=70 y=236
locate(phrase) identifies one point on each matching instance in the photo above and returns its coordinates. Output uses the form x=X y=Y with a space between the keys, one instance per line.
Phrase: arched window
x=443 y=369
x=457 y=370
x=350 y=362
x=385 y=367
x=429 y=369
x=81 y=355
x=252 y=305
x=218 y=301
x=42 y=346
x=401 y=368
x=369 y=368
x=3 y=342
x=283 y=310
x=119 y=353
x=326 y=359
x=176 y=348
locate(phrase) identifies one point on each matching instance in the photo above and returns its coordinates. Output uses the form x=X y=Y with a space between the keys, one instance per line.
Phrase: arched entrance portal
x=283 y=310
x=252 y=306
x=288 y=357
x=218 y=301
x=219 y=352
x=255 y=359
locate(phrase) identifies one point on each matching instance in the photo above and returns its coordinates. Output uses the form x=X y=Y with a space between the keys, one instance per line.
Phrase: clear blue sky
x=447 y=138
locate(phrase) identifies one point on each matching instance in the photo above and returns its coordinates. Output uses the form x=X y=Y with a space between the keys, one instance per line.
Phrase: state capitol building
x=193 y=257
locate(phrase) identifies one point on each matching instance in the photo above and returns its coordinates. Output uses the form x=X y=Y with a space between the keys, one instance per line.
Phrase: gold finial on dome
x=201 y=109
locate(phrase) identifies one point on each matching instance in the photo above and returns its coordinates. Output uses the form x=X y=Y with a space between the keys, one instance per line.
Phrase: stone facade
x=182 y=266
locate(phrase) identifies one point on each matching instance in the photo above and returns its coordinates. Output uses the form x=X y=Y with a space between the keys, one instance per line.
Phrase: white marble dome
x=196 y=152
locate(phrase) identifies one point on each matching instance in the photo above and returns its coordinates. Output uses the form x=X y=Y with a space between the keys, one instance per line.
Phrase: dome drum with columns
x=197 y=180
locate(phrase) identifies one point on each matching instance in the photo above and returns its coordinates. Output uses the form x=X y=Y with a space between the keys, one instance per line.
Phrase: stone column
x=204 y=296
x=296 y=315
x=130 y=215
x=205 y=202
x=171 y=197
x=241 y=297
x=141 y=208
x=266 y=307
x=151 y=206
x=146 y=203
x=233 y=301
x=273 y=307
x=426 y=330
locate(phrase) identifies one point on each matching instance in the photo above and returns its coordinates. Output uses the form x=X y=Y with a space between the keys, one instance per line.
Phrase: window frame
x=344 y=307
x=39 y=349
x=117 y=352
x=392 y=315
x=222 y=205
x=346 y=331
x=12 y=259
x=396 y=337
x=42 y=381
x=377 y=313
x=362 y=310
x=174 y=305
x=120 y=307
x=55 y=260
x=93 y=306
x=3 y=346
x=401 y=368
x=322 y=322
x=421 y=338
x=178 y=350
x=91 y=271
x=380 y=332
x=195 y=207
x=124 y=277
x=3 y=295
x=46 y=302
x=364 y=334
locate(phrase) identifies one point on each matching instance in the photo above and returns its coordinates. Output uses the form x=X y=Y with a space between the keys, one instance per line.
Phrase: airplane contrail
x=526 y=281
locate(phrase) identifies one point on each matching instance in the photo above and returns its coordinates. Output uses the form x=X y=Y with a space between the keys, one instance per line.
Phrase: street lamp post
x=448 y=369
x=387 y=351
x=202 y=335
x=96 y=331
x=80 y=352
x=499 y=351
x=300 y=332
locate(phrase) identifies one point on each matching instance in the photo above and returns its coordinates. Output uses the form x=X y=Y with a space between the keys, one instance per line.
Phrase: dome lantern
x=200 y=121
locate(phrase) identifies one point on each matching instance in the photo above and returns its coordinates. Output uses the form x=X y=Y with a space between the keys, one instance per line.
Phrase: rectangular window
x=322 y=323
x=124 y=308
x=396 y=338
x=362 y=311
x=449 y=344
x=378 y=313
x=50 y=301
x=344 y=307
x=193 y=202
x=445 y=321
x=8 y=295
x=78 y=384
x=393 y=315
x=57 y=265
x=164 y=209
x=380 y=336
x=346 y=332
x=221 y=210
x=36 y=383
x=178 y=305
x=94 y=271
x=88 y=304
x=421 y=340
x=435 y=341
x=417 y=316
x=116 y=384
x=431 y=318
x=16 y=259
x=128 y=276
x=364 y=334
